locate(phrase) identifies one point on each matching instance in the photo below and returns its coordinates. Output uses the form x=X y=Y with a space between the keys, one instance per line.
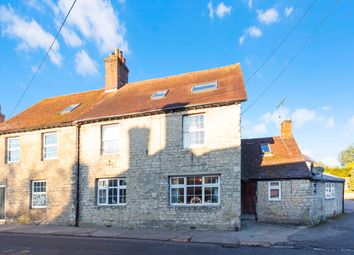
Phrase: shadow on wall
x=151 y=162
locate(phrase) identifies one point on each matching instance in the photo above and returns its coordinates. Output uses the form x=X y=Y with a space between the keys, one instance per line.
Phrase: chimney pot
x=116 y=75
x=286 y=129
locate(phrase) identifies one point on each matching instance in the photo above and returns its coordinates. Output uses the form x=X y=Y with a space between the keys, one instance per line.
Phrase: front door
x=248 y=197
x=2 y=203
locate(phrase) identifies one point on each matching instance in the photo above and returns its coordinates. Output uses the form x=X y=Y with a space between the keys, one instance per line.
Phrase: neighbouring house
x=281 y=185
x=163 y=152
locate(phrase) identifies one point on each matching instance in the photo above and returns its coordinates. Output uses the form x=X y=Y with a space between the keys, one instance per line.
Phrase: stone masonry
x=59 y=175
x=302 y=202
x=150 y=152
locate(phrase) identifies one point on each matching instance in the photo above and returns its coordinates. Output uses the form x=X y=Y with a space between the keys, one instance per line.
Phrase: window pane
x=50 y=152
x=274 y=193
x=177 y=195
x=194 y=195
x=39 y=200
x=122 y=196
x=14 y=155
x=274 y=184
x=110 y=147
x=50 y=139
x=102 y=196
x=122 y=182
x=110 y=133
x=211 y=180
x=211 y=195
x=112 y=196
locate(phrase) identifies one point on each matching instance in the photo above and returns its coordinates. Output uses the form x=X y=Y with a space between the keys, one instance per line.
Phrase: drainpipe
x=77 y=208
x=343 y=185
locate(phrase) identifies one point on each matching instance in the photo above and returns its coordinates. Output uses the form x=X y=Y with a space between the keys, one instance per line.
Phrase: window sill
x=110 y=206
x=42 y=207
x=13 y=163
x=196 y=206
x=330 y=198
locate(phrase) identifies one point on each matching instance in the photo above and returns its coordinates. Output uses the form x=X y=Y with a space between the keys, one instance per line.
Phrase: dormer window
x=159 y=94
x=69 y=109
x=204 y=87
x=265 y=148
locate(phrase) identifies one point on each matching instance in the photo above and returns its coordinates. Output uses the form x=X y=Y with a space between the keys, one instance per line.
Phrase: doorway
x=248 y=199
x=2 y=203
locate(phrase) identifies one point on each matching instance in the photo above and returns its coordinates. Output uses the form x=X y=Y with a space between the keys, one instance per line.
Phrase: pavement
x=337 y=233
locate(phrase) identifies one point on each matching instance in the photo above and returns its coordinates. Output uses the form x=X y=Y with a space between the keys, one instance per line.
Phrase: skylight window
x=204 y=87
x=69 y=108
x=265 y=149
x=159 y=94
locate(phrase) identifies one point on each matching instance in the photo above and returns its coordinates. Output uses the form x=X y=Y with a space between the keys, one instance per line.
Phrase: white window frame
x=265 y=152
x=13 y=149
x=275 y=187
x=110 y=140
x=159 y=94
x=330 y=190
x=203 y=186
x=50 y=145
x=187 y=131
x=39 y=193
x=106 y=188
x=204 y=87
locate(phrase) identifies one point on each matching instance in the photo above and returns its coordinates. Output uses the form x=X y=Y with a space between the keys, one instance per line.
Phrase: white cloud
x=330 y=122
x=255 y=130
x=71 y=38
x=241 y=40
x=288 y=11
x=222 y=10
x=211 y=9
x=250 y=3
x=269 y=16
x=84 y=65
x=96 y=20
x=302 y=116
x=29 y=32
x=254 y=31
x=326 y=108
x=276 y=117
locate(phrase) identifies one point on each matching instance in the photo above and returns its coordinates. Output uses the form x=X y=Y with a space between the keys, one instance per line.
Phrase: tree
x=347 y=156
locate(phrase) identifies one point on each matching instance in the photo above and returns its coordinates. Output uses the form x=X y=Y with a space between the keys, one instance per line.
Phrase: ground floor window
x=195 y=190
x=111 y=191
x=39 y=194
x=274 y=191
x=330 y=190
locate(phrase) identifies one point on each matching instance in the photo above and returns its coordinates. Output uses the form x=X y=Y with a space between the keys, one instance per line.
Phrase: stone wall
x=59 y=175
x=150 y=152
x=323 y=208
x=303 y=202
x=294 y=206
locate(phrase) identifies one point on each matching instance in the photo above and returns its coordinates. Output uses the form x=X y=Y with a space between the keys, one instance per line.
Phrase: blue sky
x=164 y=37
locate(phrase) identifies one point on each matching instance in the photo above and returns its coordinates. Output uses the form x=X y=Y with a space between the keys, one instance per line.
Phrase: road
x=36 y=244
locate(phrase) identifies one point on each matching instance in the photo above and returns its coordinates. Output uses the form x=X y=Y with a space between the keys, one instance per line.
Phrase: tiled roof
x=285 y=162
x=133 y=98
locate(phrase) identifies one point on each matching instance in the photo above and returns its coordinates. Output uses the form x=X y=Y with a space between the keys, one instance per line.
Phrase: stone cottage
x=281 y=185
x=163 y=152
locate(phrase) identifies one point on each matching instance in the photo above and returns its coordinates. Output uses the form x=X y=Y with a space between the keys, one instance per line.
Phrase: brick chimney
x=286 y=129
x=116 y=75
x=2 y=116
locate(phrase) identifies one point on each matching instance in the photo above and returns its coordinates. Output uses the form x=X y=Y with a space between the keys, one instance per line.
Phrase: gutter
x=343 y=187
x=77 y=207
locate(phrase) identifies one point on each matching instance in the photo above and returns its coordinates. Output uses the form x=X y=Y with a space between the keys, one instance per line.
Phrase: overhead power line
x=282 y=41
x=43 y=60
x=333 y=7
